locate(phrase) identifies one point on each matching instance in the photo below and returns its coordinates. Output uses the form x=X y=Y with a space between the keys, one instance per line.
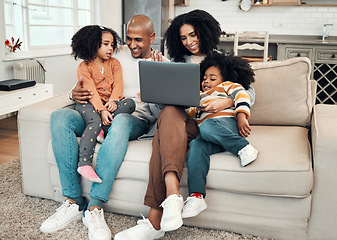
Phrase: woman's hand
x=243 y=125
x=106 y=117
x=80 y=94
x=111 y=106
x=218 y=105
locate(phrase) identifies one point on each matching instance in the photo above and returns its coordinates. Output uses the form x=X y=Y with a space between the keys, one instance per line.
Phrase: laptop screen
x=170 y=83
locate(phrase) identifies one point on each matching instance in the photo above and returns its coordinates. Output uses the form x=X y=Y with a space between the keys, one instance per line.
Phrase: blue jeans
x=216 y=135
x=66 y=125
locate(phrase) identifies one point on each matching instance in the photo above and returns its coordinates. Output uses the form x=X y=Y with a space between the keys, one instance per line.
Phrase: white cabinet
x=275 y=2
x=326 y=54
x=11 y=101
x=299 y=52
x=259 y=3
x=284 y=2
x=324 y=67
x=286 y=51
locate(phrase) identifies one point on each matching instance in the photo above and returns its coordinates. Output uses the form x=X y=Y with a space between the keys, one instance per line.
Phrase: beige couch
x=289 y=192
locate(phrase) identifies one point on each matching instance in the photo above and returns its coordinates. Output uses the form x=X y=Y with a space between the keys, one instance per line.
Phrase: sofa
x=284 y=194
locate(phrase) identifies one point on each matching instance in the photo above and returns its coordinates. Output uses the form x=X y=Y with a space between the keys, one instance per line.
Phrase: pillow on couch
x=283 y=93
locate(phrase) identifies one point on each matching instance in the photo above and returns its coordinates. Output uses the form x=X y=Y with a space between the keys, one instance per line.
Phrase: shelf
x=11 y=101
x=257 y=3
x=326 y=3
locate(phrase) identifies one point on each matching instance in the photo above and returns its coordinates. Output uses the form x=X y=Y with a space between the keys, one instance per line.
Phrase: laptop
x=14 y=84
x=170 y=83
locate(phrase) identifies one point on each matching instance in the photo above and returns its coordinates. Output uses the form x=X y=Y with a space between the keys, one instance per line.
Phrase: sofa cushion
x=283 y=93
x=282 y=168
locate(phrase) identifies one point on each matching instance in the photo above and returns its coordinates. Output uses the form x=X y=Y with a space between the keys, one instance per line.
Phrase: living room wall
x=289 y=20
x=61 y=70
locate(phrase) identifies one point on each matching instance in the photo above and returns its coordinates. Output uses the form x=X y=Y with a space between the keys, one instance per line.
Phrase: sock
x=94 y=202
x=197 y=195
x=80 y=201
x=89 y=173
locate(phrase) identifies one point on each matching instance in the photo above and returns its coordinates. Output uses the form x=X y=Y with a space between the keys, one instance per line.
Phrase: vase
x=8 y=52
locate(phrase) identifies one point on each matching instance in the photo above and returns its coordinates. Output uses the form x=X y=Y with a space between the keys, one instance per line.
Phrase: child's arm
x=218 y=105
x=240 y=96
x=88 y=83
x=106 y=117
x=232 y=90
x=111 y=106
x=117 y=85
x=243 y=125
x=191 y=112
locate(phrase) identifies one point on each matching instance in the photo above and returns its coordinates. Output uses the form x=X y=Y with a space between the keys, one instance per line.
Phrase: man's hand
x=243 y=125
x=106 y=117
x=80 y=94
x=138 y=96
x=156 y=56
x=218 y=105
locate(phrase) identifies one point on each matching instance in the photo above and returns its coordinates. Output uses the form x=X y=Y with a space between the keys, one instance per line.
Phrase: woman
x=190 y=37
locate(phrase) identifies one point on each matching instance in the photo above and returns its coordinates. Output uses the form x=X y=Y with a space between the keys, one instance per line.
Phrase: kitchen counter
x=292 y=39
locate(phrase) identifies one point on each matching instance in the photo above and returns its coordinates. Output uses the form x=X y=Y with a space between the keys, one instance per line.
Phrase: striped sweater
x=223 y=90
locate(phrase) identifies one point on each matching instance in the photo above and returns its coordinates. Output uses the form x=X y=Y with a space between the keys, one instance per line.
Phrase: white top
x=197 y=59
x=130 y=71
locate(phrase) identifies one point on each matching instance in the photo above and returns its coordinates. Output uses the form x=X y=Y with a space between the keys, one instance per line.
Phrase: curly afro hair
x=233 y=68
x=88 y=40
x=206 y=27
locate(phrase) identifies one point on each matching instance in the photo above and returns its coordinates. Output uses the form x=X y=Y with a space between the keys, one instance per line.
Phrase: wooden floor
x=9 y=143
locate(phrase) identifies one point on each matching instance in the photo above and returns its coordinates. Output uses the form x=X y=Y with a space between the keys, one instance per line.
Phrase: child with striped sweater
x=225 y=130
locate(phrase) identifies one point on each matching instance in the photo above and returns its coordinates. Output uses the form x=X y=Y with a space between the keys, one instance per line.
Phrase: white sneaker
x=172 y=207
x=64 y=215
x=247 y=155
x=142 y=231
x=193 y=206
x=95 y=222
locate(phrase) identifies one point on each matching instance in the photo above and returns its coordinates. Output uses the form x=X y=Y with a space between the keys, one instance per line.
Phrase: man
x=67 y=124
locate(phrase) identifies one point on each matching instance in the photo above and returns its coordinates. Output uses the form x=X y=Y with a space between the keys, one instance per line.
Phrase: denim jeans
x=66 y=125
x=216 y=135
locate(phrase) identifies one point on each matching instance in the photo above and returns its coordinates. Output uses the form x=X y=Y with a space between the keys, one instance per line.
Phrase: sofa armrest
x=324 y=195
x=41 y=111
x=34 y=136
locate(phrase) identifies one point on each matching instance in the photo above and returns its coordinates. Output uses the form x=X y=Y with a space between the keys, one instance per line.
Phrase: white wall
x=3 y=67
x=292 y=20
x=61 y=70
x=111 y=15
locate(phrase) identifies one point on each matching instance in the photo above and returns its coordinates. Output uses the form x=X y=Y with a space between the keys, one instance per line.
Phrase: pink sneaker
x=89 y=173
x=100 y=137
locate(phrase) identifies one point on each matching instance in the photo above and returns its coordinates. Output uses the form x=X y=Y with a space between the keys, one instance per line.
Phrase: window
x=46 y=24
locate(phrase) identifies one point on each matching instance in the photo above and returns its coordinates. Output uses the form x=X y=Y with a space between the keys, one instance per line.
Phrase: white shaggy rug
x=21 y=216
